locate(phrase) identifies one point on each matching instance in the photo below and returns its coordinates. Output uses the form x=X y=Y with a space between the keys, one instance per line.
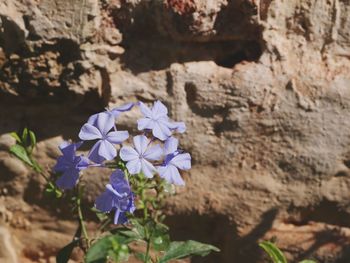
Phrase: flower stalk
x=86 y=240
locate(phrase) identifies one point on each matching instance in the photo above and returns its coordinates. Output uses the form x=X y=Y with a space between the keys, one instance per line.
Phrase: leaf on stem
x=273 y=251
x=32 y=138
x=16 y=137
x=182 y=249
x=138 y=228
x=140 y=256
x=21 y=153
x=130 y=234
x=160 y=238
x=100 y=215
x=25 y=135
x=109 y=247
x=52 y=190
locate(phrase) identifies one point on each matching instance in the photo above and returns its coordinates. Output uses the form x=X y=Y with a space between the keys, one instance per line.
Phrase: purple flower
x=138 y=158
x=114 y=112
x=157 y=120
x=118 y=110
x=179 y=127
x=98 y=128
x=173 y=161
x=118 y=197
x=69 y=164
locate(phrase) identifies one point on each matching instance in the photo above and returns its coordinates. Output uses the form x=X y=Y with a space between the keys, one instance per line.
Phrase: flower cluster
x=153 y=151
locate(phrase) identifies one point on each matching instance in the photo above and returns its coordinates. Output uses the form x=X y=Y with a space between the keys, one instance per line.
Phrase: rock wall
x=263 y=86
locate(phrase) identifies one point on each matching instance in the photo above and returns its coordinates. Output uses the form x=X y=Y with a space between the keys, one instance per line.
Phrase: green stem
x=145 y=209
x=37 y=168
x=45 y=177
x=81 y=218
x=145 y=218
x=145 y=212
x=147 y=250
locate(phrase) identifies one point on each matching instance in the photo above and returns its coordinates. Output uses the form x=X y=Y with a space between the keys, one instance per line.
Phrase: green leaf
x=58 y=193
x=160 y=238
x=25 y=135
x=119 y=253
x=16 y=137
x=109 y=247
x=307 y=261
x=130 y=234
x=21 y=154
x=188 y=248
x=273 y=251
x=100 y=215
x=53 y=191
x=140 y=256
x=161 y=243
x=138 y=228
x=36 y=166
x=32 y=138
x=99 y=251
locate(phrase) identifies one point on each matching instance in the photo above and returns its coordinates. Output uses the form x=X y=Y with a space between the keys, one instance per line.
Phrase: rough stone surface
x=262 y=85
x=8 y=252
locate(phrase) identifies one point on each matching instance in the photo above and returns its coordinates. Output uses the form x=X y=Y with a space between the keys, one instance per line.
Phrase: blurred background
x=263 y=86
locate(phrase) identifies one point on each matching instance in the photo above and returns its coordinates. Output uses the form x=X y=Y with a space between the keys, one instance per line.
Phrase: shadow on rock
x=219 y=231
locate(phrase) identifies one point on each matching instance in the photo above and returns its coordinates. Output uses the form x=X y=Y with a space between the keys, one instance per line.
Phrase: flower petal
x=145 y=110
x=63 y=145
x=170 y=145
x=104 y=122
x=180 y=127
x=62 y=164
x=126 y=107
x=182 y=161
x=107 y=150
x=140 y=142
x=153 y=153
x=116 y=216
x=116 y=177
x=69 y=149
x=159 y=110
x=145 y=123
x=161 y=131
x=128 y=153
x=117 y=137
x=82 y=163
x=134 y=166
x=68 y=180
x=131 y=206
x=105 y=202
x=171 y=174
x=119 y=183
x=147 y=168
x=94 y=155
x=89 y=132
x=92 y=119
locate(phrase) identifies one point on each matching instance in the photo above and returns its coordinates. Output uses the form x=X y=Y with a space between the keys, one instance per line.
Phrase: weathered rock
x=6 y=141
x=12 y=26
x=263 y=87
x=8 y=252
x=50 y=20
x=10 y=167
